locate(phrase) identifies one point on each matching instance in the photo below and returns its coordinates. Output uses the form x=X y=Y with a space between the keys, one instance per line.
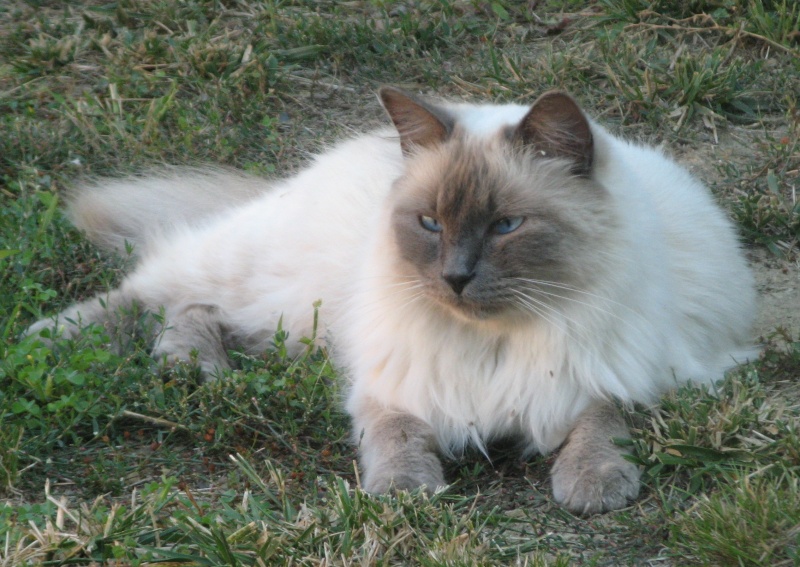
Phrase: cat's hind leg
x=195 y=333
x=398 y=450
x=117 y=312
x=591 y=474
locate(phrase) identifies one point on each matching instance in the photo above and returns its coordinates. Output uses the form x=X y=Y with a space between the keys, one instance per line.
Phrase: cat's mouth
x=471 y=310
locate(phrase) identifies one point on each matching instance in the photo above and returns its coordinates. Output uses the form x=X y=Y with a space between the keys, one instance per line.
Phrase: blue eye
x=430 y=223
x=507 y=225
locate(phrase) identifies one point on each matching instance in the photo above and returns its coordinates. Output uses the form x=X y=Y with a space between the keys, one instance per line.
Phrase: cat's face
x=488 y=230
x=510 y=224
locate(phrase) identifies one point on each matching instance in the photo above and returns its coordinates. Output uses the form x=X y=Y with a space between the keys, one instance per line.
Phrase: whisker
x=578 y=301
x=412 y=283
x=575 y=331
x=559 y=285
x=552 y=309
x=535 y=307
x=411 y=300
x=387 y=276
x=577 y=290
x=564 y=329
x=408 y=287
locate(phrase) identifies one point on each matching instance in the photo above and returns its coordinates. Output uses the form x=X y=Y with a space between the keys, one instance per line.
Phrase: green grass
x=104 y=457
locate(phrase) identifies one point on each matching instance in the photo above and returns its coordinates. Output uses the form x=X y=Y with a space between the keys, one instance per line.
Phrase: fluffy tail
x=119 y=213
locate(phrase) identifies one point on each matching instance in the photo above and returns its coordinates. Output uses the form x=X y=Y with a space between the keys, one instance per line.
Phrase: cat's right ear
x=419 y=123
x=555 y=126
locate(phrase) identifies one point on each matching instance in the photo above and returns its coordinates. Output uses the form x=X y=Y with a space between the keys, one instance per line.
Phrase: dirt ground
x=779 y=290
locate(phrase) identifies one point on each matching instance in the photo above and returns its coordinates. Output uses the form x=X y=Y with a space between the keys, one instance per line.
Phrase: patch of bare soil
x=778 y=284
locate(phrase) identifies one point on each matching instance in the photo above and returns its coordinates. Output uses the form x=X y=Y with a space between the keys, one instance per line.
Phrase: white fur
x=674 y=304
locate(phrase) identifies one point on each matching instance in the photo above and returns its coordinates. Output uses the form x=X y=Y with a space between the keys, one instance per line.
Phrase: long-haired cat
x=494 y=271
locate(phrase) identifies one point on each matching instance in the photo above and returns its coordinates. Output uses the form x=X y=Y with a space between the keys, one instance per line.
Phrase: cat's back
x=674 y=224
x=634 y=167
x=334 y=201
x=296 y=243
x=648 y=183
x=344 y=182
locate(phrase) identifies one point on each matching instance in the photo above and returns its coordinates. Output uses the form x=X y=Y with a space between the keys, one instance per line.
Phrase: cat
x=485 y=271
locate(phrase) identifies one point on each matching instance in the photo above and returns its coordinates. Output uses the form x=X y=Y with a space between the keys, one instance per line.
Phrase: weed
x=749 y=522
x=769 y=212
x=776 y=20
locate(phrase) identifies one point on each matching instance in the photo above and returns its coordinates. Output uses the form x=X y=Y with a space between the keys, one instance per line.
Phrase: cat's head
x=505 y=224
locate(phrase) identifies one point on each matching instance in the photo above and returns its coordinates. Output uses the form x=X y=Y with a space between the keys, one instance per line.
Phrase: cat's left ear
x=419 y=123
x=555 y=126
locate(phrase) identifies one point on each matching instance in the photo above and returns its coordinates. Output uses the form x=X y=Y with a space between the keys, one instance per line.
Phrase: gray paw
x=595 y=485
x=193 y=336
x=398 y=450
x=210 y=370
x=422 y=471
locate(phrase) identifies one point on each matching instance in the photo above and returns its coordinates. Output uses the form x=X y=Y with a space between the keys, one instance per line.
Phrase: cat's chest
x=466 y=371
x=472 y=384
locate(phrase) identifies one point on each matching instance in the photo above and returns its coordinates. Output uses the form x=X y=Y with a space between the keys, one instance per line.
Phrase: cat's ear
x=419 y=123
x=555 y=126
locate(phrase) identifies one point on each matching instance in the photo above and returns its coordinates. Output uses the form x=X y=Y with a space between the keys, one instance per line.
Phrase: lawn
x=107 y=459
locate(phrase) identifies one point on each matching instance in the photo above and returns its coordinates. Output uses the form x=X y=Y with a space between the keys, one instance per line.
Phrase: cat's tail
x=126 y=214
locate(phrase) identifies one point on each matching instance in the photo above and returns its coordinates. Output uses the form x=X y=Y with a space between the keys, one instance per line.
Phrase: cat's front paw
x=595 y=485
x=398 y=450
x=406 y=474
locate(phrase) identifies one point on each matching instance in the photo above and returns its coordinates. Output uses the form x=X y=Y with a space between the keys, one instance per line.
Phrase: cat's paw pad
x=605 y=486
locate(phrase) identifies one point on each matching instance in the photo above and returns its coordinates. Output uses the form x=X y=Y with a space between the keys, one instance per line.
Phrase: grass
x=106 y=459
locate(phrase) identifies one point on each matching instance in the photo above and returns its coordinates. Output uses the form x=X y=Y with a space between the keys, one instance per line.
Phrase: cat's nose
x=458 y=280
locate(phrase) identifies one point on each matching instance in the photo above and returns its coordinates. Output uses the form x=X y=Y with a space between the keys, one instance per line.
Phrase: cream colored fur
x=669 y=299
